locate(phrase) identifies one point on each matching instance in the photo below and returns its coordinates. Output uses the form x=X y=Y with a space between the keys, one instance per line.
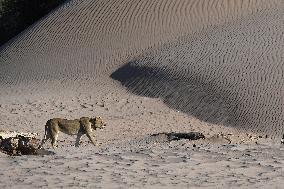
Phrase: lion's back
x=70 y=127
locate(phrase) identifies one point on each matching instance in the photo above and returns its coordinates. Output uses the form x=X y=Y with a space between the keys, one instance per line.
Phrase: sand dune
x=230 y=74
x=83 y=42
x=212 y=66
x=92 y=37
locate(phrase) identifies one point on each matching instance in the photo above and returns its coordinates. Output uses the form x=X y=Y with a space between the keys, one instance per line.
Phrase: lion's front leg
x=89 y=132
x=92 y=138
x=78 y=139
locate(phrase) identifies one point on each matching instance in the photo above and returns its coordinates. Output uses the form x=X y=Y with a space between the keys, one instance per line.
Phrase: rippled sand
x=212 y=66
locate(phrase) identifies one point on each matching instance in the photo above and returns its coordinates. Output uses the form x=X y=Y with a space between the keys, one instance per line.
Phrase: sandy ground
x=129 y=157
x=158 y=166
x=149 y=165
x=148 y=67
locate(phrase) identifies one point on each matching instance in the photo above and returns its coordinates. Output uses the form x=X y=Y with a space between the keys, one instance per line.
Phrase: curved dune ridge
x=83 y=39
x=219 y=60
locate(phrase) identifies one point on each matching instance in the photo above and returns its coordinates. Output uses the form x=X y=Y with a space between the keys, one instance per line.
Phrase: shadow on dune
x=193 y=97
x=230 y=74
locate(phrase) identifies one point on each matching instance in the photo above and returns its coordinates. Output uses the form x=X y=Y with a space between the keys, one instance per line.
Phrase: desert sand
x=147 y=67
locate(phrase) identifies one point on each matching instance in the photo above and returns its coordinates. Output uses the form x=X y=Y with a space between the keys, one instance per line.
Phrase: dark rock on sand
x=179 y=136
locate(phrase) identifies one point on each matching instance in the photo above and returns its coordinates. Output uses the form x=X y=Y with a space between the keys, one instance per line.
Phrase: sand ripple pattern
x=84 y=39
x=230 y=74
x=228 y=68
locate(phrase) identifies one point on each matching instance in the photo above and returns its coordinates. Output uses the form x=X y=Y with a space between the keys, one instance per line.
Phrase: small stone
x=282 y=140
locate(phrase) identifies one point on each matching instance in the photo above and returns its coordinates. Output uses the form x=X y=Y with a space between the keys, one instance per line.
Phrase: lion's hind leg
x=45 y=138
x=54 y=136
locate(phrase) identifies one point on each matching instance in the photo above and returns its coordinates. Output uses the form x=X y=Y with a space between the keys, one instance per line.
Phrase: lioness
x=78 y=127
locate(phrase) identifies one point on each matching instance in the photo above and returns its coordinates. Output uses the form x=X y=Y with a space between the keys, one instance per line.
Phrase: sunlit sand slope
x=84 y=38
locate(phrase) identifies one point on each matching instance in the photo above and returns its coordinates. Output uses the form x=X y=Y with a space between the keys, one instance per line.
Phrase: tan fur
x=78 y=127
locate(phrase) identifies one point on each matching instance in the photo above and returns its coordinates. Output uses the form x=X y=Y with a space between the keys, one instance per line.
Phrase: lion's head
x=98 y=123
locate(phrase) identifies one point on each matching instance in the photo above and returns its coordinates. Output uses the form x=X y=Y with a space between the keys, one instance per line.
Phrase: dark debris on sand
x=179 y=136
x=21 y=145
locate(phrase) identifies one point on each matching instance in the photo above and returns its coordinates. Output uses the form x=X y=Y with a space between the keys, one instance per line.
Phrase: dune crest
x=91 y=38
